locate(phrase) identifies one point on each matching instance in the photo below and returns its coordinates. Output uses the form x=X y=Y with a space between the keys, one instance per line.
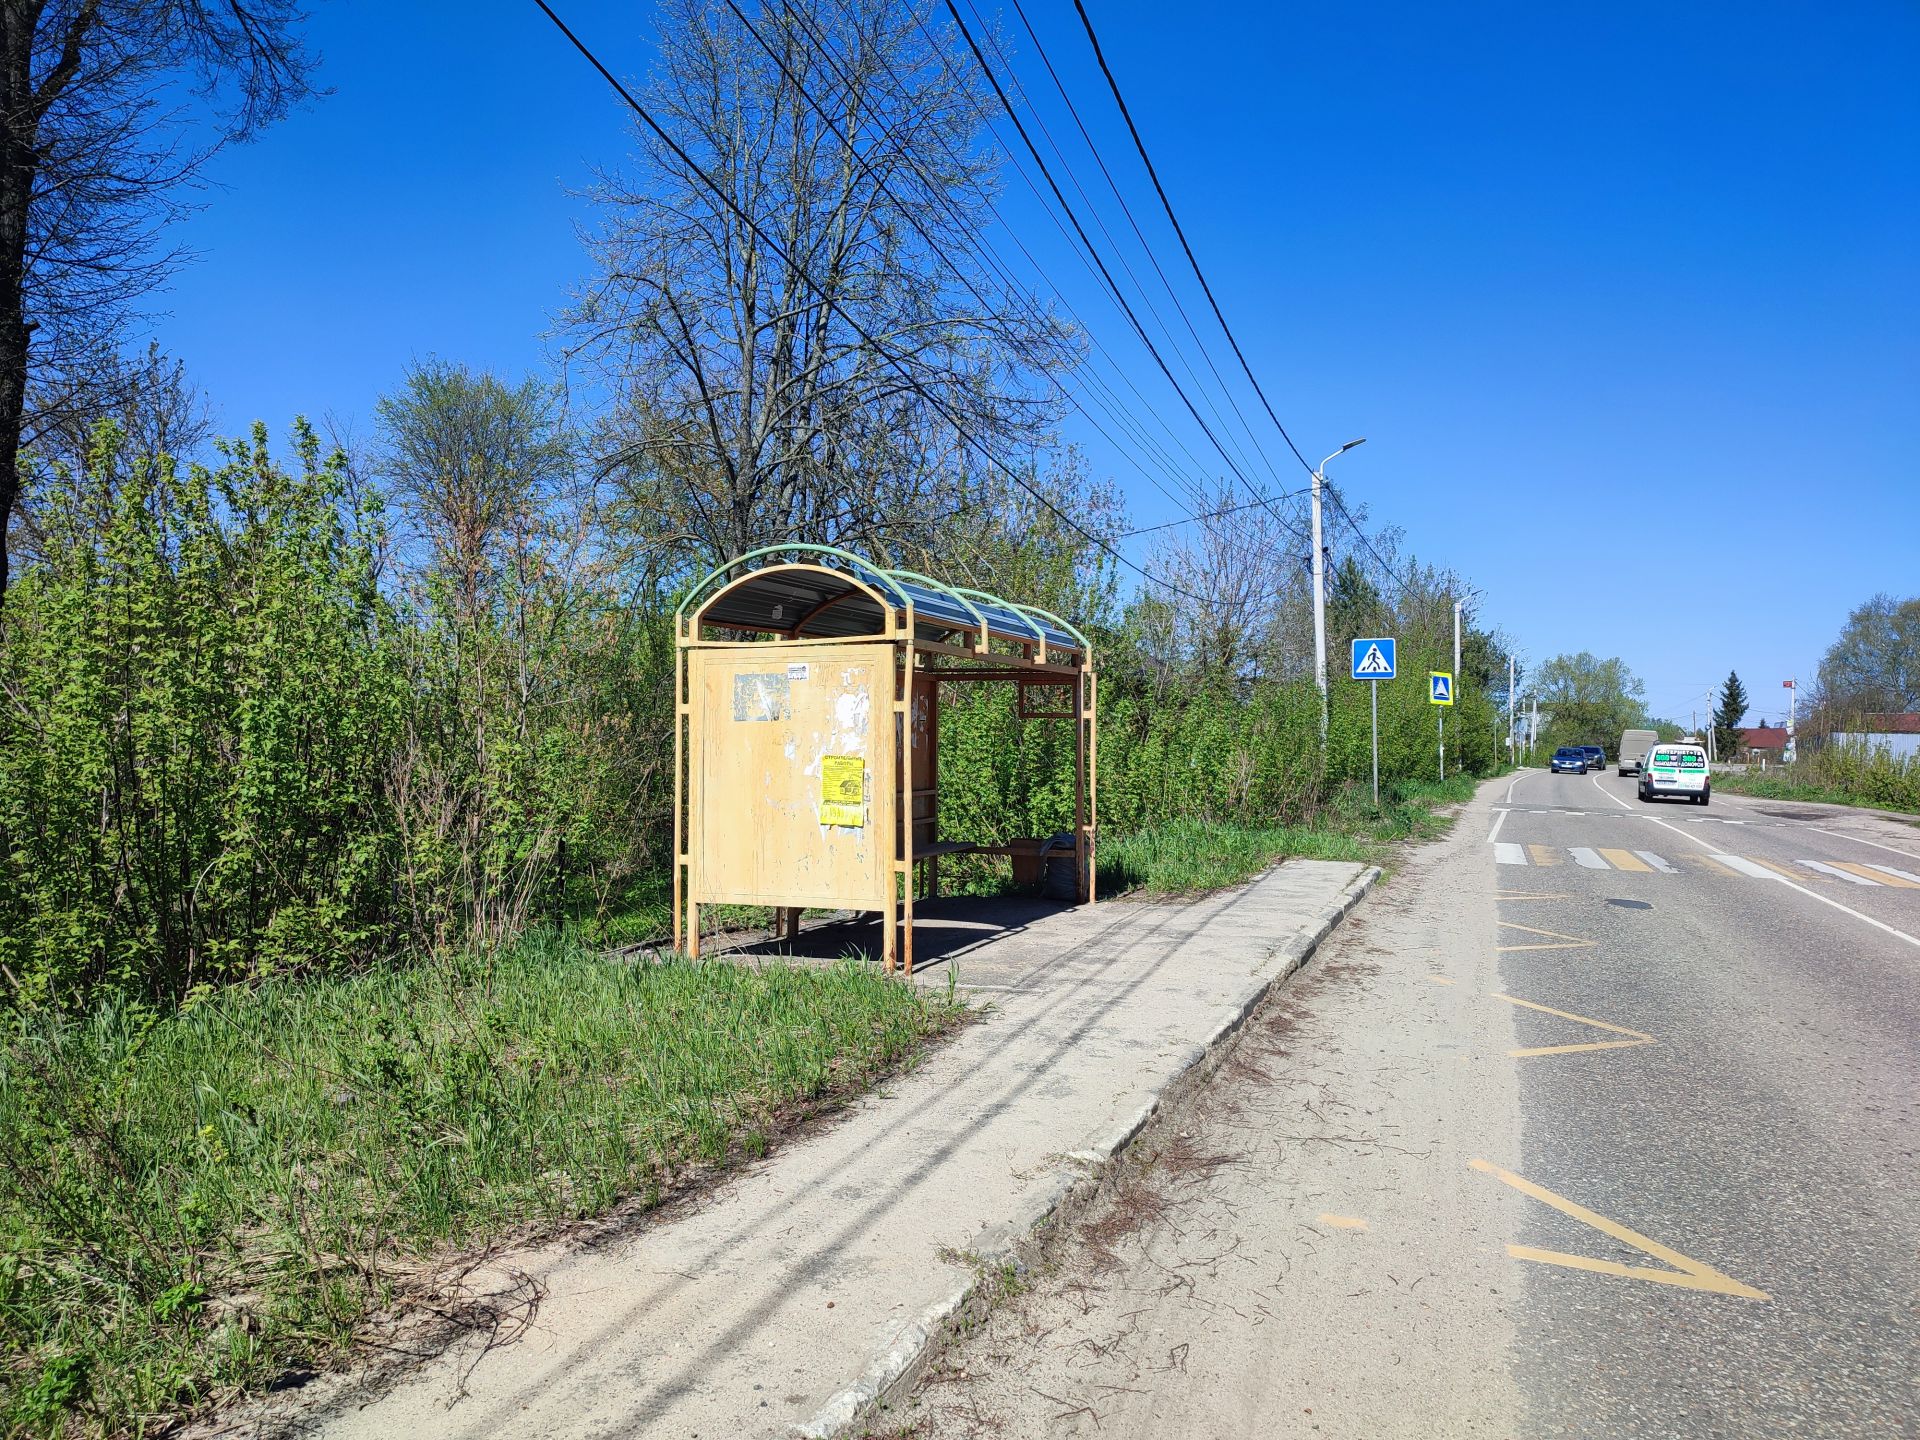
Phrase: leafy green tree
x=1588 y=701
x=474 y=463
x=1729 y=715
x=1874 y=664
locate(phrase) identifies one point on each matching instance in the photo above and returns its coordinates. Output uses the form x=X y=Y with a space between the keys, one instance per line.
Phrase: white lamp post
x=1320 y=588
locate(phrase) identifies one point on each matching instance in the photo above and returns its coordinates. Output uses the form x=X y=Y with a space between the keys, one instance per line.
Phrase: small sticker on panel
x=796 y=672
x=843 y=790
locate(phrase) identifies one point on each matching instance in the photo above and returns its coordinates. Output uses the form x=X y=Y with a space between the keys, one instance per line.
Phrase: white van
x=1634 y=745
x=1676 y=770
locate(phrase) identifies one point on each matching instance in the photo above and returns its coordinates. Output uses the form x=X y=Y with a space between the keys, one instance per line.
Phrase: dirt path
x=1301 y=1249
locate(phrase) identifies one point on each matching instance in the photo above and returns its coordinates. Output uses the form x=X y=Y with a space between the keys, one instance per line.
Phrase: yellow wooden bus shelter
x=806 y=733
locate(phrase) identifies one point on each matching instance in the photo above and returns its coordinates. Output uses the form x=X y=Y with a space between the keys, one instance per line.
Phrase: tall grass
x=1836 y=775
x=1189 y=856
x=192 y=1202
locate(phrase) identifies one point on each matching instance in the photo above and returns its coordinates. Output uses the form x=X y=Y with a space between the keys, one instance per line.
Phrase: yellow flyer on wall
x=843 y=790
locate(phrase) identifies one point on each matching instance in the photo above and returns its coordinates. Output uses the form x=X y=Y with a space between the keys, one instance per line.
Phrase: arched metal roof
x=832 y=593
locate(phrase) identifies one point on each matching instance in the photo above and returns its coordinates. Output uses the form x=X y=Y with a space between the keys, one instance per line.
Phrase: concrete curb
x=1068 y=1191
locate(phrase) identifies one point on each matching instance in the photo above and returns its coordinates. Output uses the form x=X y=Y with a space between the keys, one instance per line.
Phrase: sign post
x=1373 y=661
x=1440 y=695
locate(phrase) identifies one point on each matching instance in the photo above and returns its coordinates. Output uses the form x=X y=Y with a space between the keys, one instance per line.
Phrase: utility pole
x=1320 y=588
x=1511 y=757
x=1456 y=683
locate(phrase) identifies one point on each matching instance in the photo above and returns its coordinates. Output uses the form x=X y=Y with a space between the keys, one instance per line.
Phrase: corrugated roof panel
x=778 y=596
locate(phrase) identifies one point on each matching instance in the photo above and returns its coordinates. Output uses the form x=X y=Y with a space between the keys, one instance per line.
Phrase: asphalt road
x=1602 y=1119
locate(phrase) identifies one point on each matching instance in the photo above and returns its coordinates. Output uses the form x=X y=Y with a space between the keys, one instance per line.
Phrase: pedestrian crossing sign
x=1440 y=687
x=1373 y=659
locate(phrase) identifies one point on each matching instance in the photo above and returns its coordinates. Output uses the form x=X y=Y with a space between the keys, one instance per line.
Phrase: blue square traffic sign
x=1373 y=659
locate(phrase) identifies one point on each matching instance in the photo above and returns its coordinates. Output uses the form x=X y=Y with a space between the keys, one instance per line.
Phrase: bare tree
x=108 y=110
x=1241 y=569
x=796 y=358
x=147 y=397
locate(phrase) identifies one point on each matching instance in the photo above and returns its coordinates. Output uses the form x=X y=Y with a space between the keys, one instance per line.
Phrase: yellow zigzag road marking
x=1567 y=942
x=1638 y=1038
x=1687 y=1274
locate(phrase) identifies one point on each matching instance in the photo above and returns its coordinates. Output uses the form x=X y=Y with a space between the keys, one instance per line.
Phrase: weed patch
x=1193 y=856
x=195 y=1202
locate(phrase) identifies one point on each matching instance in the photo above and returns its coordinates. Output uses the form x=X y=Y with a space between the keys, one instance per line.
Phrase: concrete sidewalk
x=784 y=1301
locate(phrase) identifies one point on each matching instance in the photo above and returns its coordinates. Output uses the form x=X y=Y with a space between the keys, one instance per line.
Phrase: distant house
x=1894 y=731
x=1764 y=742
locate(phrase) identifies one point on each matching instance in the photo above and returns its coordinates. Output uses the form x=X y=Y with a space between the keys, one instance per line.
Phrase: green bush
x=200 y=715
x=1854 y=774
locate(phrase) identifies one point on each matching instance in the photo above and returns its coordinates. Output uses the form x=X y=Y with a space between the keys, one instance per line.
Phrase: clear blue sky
x=1625 y=299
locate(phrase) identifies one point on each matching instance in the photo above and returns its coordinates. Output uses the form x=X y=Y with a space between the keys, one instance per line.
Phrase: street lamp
x=1320 y=588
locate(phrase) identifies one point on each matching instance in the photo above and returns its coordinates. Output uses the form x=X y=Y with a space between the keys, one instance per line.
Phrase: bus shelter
x=807 y=732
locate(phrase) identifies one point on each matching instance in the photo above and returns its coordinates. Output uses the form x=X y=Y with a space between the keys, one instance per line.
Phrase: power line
x=1146 y=245
x=817 y=43
x=1210 y=515
x=1167 y=205
x=780 y=251
x=1073 y=217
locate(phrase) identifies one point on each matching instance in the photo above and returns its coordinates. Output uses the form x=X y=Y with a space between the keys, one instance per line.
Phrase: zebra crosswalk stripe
x=1839 y=874
x=1885 y=874
x=1744 y=866
x=1586 y=858
x=1505 y=852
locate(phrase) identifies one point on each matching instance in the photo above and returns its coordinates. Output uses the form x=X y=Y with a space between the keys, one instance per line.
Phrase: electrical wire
x=1146 y=245
x=1108 y=403
x=1167 y=205
x=781 y=252
x=1066 y=207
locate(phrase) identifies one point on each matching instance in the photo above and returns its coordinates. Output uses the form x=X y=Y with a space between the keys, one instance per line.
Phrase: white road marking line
x=1842 y=835
x=1893 y=870
x=1656 y=862
x=1810 y=894
x=1838 y=873
x=1701 y=820
x=1498 y=820
x=1583 y=856
x=1516 y=781
x=1747 y=867
x=1611 y=796
x=1573 y=812
x=1507 y=853
x=1733 y=822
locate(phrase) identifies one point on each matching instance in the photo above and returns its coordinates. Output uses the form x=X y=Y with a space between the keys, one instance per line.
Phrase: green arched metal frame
x=886 y=580
x=889 y=581
x=1086 y=645
x=959 y=595
x=1012 y=608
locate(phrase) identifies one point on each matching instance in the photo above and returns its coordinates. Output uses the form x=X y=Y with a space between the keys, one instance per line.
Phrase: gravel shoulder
x=1301 y=1247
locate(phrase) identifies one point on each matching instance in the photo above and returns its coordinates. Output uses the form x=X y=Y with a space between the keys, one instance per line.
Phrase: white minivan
x=1676 y=770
